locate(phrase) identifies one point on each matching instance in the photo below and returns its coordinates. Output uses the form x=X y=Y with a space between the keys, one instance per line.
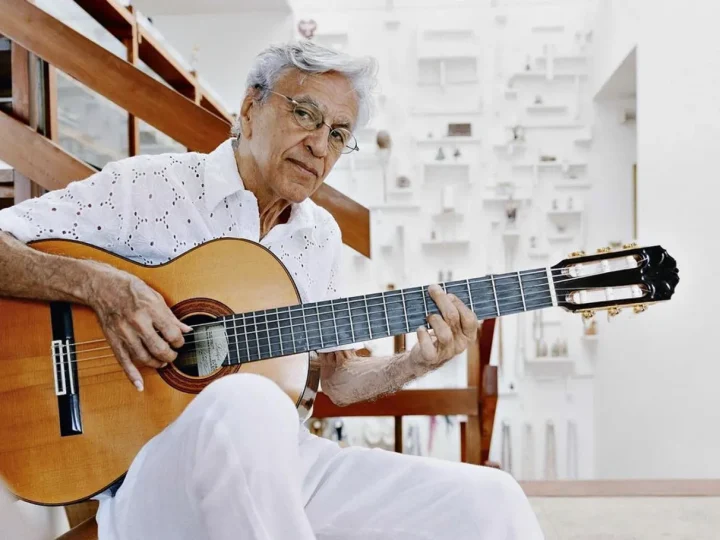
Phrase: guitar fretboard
x=306 y=327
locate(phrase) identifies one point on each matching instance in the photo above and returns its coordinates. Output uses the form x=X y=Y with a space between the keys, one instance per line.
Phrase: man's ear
x=247 y=112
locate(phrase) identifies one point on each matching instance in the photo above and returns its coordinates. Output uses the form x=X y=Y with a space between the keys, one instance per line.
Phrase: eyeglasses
x=308 y=116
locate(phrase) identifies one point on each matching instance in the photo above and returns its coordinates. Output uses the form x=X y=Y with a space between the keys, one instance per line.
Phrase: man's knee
x=248 y=396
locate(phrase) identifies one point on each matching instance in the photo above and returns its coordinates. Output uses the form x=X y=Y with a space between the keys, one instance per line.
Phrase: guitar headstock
x=610 y=280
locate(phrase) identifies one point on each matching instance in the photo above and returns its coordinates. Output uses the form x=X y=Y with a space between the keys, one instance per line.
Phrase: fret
x=352 y=330
x=317 y=310
x=385 y=310
x=467 y=285
x=367 y=312
x=415 y=311
x=230 y=336
x=257 y=334
x=292 y=329
x=337 y=336
x=304 y=319
x=522 y=292
x=509 y=297
x=497 y=306
x=407 y=323
x=279 y=331
x=422 y=290
x=247 y=338
x=267 y=333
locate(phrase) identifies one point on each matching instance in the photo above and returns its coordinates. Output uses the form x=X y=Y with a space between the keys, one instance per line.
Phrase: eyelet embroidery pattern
x=151 y=209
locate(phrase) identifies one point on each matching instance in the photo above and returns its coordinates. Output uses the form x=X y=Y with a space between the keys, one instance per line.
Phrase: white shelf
x=591 y=338
x=535 y=254
x=565 y=213
x=542 y=75
x=445 y=112
x=560 y=237
x=395 y=206
x=446 y=164
x=547 y=108
x=449 y=140
x=445 y=56
x=572 y=184
x=550 y=126
x=503 y=199
x=456 y=243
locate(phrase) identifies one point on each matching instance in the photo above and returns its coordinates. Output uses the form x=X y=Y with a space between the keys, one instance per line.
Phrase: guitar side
x=41 y=465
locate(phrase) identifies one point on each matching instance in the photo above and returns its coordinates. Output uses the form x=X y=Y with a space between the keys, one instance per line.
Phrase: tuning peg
x=575 y=254
x=614 y=311
x=587 y=314
x=604 y=250
x=640 y=308
x=632 y=245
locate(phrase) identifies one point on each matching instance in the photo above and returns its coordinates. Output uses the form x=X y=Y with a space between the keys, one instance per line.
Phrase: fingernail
x=138 y=385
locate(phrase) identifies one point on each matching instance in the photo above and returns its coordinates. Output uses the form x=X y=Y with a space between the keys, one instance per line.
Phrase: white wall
x=657 y=395
x=227 y=44
x=616 y=29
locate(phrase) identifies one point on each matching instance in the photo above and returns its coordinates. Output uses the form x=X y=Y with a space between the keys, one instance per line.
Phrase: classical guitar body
x=56 y=449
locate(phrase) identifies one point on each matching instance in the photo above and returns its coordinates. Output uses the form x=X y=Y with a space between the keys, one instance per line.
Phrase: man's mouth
x=305 y=167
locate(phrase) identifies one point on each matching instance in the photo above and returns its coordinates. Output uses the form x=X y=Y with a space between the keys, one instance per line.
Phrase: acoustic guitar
x=71 y=423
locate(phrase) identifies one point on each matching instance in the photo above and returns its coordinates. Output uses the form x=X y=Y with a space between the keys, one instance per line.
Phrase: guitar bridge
x=65 y=369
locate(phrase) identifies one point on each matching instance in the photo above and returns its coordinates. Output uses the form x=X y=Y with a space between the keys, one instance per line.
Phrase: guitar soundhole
x=205 y=349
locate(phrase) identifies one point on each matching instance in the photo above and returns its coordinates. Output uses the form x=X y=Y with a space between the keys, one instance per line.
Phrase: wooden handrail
x=148 y=99
x=37 y=157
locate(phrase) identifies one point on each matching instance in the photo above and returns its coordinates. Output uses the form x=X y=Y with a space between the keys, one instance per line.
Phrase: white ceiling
x=185 y=7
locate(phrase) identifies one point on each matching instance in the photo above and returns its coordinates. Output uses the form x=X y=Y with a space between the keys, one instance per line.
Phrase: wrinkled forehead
x=331 y=92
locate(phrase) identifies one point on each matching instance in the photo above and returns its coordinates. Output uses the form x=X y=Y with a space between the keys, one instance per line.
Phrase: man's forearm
x=348 y=378
x=29 y=273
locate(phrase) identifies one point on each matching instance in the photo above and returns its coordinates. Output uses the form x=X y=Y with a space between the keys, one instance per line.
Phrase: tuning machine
x=631 y=245
x=604 y=250
x=613 y=312
x=576 y=254
x=640 y=308
x=587 y=314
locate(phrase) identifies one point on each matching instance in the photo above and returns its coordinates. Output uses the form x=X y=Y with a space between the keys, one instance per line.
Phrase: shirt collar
x=221 y=175
x=222 y=179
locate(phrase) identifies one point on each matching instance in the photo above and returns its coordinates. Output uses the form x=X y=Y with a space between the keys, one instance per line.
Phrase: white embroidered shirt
x=151 y=209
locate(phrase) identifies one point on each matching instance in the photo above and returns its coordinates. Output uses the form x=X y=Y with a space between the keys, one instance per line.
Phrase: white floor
x=629 y=518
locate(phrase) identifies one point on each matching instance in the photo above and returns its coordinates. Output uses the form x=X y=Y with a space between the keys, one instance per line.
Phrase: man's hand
x=454 y=329
x=131 y=315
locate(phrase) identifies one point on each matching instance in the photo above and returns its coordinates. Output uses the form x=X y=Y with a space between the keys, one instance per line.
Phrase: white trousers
x=237 y=464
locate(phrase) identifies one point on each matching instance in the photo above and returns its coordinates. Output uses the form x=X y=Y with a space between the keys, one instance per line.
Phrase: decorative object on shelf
x=449 y=275
x=533 y=242
x=456 y=153
x=440 y=156
x=383 y=140
x=561 y=228
x=433 y=236
x=528 y=60
x=590 y=327
x=429 y=135
x=554 y=204
x=528 y=453
x=384 y=147
x=402 y=182
x=441 y=276
x=307 y=28
x=544 y=158
x=571 y=451
x=550 y=472
x=194 y=59
x=538 y=100
x=459 y=130
x=317 y=427
x=511 y=209
x=518 y=132
x=506 y=449
x=570 y=203
x=565 y=167
x=412 y=441
x=378 y=432
x=339 y=433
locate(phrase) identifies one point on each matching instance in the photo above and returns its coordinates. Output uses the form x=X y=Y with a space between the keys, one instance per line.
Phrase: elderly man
x=218 y=472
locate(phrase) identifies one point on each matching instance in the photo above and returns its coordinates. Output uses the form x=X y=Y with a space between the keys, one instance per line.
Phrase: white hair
x=309 y=57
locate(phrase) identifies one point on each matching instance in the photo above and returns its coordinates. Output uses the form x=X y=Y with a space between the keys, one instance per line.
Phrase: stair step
x=7 y=183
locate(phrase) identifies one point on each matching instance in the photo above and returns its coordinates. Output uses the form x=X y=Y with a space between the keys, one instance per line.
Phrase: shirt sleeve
x=90 y=210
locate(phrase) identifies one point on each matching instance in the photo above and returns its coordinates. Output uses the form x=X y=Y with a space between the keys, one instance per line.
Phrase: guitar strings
x=311 y=333
x=342 y=305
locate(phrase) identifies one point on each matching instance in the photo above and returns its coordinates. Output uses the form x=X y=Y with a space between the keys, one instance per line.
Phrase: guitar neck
x=320 y=325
